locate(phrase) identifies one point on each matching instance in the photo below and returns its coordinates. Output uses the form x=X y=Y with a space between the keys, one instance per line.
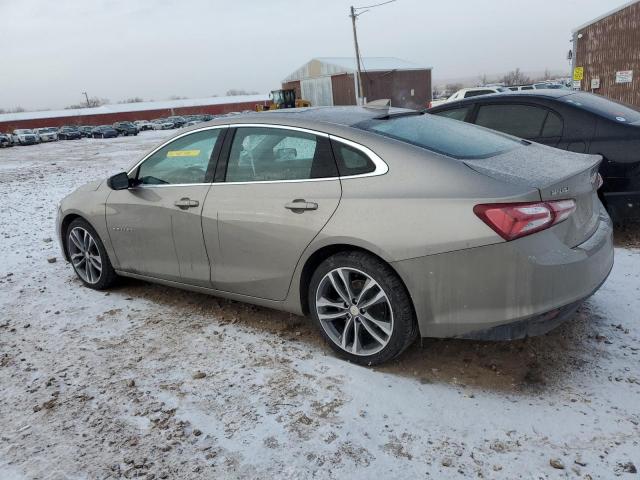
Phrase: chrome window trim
x=172 y=139
x=381 y=167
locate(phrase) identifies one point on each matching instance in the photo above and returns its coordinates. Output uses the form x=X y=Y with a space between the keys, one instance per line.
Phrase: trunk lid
x=558 y=175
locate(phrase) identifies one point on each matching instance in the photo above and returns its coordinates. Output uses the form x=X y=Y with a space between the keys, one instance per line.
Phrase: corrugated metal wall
x=343 y=89
x=608 y=46
x=318 y=91
x=405 y=88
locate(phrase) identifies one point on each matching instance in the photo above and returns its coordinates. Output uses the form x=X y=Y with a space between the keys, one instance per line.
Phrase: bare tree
x=236 y=91
x=93 y=102
x=12 y=110
x=132 y=100
x=483 y=79
x=176 y=97
x=453 y=87
x=515 y=77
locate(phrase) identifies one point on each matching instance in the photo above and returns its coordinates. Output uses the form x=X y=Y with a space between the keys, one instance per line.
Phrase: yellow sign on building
x=578 y=73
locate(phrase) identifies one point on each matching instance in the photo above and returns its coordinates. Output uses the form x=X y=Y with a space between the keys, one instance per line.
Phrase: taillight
x=515 y=220
x=430 y=104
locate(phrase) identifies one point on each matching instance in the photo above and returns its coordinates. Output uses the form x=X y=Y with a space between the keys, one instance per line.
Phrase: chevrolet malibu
x=380 y=224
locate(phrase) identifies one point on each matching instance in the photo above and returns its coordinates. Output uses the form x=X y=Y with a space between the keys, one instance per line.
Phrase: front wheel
x=88 y=256
x=362 y=308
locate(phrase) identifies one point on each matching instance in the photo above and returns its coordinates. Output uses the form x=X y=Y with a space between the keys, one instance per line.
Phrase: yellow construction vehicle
x=284 y=98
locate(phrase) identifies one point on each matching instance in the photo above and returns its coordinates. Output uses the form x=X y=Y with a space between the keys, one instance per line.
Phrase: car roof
x=343 y=116
x=521 y=94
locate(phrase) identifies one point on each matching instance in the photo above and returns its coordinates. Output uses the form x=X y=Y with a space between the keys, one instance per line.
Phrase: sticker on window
x=183 y=153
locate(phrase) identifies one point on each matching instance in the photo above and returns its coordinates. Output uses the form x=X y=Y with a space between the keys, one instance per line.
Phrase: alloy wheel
x=85 y=255
x=354 y=311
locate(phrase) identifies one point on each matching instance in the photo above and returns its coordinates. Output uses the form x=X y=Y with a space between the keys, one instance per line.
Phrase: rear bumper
x=623 y=206
x=507 y=290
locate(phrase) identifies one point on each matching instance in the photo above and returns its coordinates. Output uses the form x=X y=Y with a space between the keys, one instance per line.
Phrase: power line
x=373 y=6
x=357 y=78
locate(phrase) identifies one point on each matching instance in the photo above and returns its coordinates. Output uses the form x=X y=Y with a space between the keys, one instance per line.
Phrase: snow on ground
x=148 y=381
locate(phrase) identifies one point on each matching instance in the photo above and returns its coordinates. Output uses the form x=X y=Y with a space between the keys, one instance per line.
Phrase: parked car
x=191 y=123
x=161 y=124
x=569 y=120
x=69 y=133
x=125 y=128
x=86 y=131
x=47 y=134
x=550 y=86
x=177 y=121
x=104 y=131
x=143 y=125
x=5 y=140
x=468 y=93
x=419 y=225
x=517 y=88
x=24 y=136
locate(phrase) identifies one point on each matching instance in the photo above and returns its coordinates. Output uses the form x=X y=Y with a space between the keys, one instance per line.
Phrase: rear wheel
x=362 y=308
x=88 y=256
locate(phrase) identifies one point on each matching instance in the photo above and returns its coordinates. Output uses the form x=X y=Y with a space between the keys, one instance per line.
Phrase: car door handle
x=299 y=205
x=185 y=203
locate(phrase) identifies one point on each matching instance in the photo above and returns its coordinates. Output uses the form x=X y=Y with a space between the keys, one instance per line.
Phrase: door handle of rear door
x=185 y=203
x=299 y=205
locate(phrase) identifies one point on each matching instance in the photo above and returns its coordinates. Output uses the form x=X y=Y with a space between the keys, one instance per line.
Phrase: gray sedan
x=381 y=225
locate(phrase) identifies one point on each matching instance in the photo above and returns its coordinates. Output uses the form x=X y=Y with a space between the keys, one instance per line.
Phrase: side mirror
x=119 y=181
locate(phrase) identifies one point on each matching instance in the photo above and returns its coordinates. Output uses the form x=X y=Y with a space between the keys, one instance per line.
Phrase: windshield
x=23 y=131
x=604 y=107
x=443 y=135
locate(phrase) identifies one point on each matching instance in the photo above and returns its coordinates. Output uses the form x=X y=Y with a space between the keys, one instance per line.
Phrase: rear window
x=610 y=109
x=443 y=135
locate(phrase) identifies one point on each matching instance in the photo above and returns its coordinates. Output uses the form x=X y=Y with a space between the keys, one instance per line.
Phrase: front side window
x=183 y=161
x=271 y=154
x=455 y=113
x=524 y=121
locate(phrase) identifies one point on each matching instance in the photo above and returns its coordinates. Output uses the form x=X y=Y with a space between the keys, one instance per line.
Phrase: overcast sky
x=52 y=51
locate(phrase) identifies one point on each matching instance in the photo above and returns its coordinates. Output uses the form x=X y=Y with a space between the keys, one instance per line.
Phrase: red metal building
x=108 y=114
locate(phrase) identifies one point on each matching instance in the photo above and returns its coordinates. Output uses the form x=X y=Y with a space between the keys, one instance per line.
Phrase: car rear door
x=276 y=187
x=155 y=227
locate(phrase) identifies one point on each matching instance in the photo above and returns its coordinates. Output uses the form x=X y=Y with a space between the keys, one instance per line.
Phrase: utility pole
x=87 y=97
x=357 y=77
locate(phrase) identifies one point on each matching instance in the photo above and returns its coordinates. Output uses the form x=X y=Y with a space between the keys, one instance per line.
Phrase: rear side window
x=552 y=126
x=525 y=121
x=455 y=113
x=270 y=154
x=351 y=161
x=442 y=135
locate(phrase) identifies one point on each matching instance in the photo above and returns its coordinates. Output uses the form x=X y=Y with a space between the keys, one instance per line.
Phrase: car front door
x=279 y=187
x=155 y=226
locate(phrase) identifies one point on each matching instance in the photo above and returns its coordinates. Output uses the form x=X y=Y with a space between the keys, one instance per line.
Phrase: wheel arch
x=321 y=254
x=64 y=225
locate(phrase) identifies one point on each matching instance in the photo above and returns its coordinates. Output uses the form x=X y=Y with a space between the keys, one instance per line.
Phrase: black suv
x=125 y=128
x=69 y=133
x=569 y=120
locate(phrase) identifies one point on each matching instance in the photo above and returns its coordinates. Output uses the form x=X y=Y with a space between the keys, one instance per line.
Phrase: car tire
x=88 y=256
x=380 y=311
